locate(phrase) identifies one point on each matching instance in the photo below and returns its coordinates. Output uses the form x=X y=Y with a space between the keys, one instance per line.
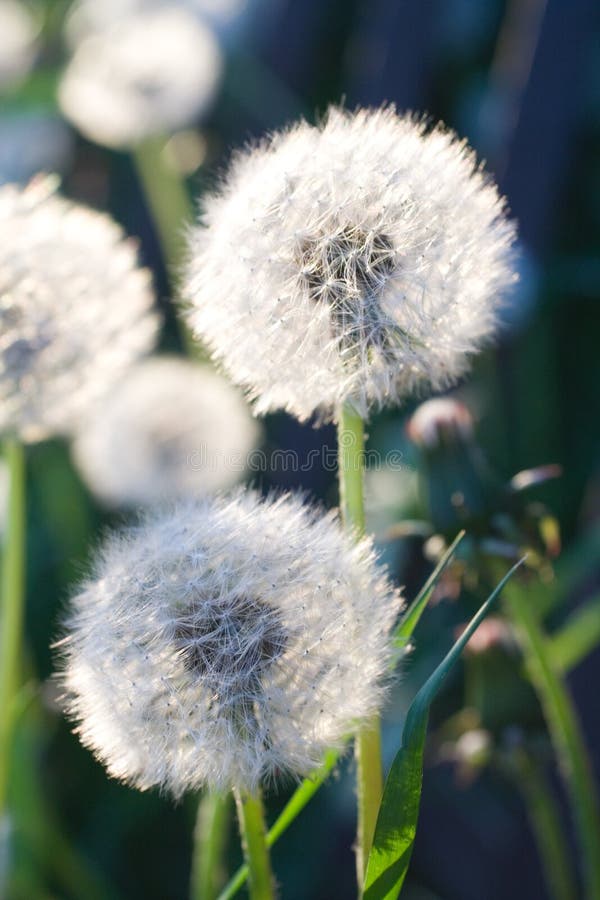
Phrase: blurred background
x=521 y=81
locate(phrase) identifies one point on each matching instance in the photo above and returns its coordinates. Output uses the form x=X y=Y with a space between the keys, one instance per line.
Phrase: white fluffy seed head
x=75 y=309
x=18 y=36
x=226 y=643
x=150 y=73
x=359 y=261
x=172 y=429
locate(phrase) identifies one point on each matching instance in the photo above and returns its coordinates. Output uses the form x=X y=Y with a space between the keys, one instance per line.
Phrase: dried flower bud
x=440 y=421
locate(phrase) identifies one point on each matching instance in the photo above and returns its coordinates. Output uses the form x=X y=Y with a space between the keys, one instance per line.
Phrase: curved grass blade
x=411 y=617
x=309 y=787
x=397 y=821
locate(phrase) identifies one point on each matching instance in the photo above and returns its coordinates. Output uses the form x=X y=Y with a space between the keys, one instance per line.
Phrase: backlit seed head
x=227 y=642
x=360 y=260
x=75 y=310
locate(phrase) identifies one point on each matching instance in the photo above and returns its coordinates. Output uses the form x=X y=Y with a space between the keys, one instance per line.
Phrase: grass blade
x=411 y=617
x=565 y=732
x=577 y=637
x=397 y=821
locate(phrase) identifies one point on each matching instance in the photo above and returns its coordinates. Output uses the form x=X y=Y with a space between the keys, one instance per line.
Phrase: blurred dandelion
x=357 y=261
x=18 y=37
x=75 y=309
x=227 y=642
x=88 y=16
x=173 y=428
x=149 y=73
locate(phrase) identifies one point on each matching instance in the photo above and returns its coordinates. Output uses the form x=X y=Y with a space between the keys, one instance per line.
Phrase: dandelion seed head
x=75 y=309
x=361 y=260
x=227 y=642
x=172 y=428
x=18 y=36
x=150 y=73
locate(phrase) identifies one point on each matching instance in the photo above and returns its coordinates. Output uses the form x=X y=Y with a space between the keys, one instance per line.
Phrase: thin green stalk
x=251 y=817
x=546 y=823
x=12 y=609
x=367 y=747
x=171 y=207
x=210 y=838
x=565 y=732
x=167 y=197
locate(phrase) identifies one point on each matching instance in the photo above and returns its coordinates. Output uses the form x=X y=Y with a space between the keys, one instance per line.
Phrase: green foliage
x=397 y=822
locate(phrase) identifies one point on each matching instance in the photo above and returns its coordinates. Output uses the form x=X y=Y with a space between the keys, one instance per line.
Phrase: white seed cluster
x=150 y=73
x=360 y=260
x=227 y=642
x=171 y=429
x=75 y=309
x=18 y=36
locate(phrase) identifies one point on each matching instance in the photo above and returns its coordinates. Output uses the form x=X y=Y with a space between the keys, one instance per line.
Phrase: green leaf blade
x=397 y=822
x=410 y=619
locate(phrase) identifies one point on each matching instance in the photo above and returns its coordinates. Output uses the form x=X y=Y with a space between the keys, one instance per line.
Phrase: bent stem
x=210 y=837
x=251 y=817
x=367 y=747
x=565 y=732
x=12 y=609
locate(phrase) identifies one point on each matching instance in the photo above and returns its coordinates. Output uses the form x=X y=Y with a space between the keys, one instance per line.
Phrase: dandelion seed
x=203 y=653
x=361 y=260
x=149 y=73
x=75 y=310
x=173 y=428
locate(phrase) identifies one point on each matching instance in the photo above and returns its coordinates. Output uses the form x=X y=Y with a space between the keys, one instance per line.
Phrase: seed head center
x=230 y=644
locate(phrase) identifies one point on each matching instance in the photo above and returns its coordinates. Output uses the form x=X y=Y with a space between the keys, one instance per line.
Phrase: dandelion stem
x=545 y=819
x=170 y=205
x=367 y=747
x=565 y=732
x=210 y=837
x=251 y=819
x=12 y=610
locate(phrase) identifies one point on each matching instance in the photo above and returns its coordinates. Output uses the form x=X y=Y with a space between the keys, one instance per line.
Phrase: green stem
x=546 y=824
x=251 y=818
x=367 y=747
x=565 y=732
x=12 y=609
x=210 y=838
x=171 y=208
